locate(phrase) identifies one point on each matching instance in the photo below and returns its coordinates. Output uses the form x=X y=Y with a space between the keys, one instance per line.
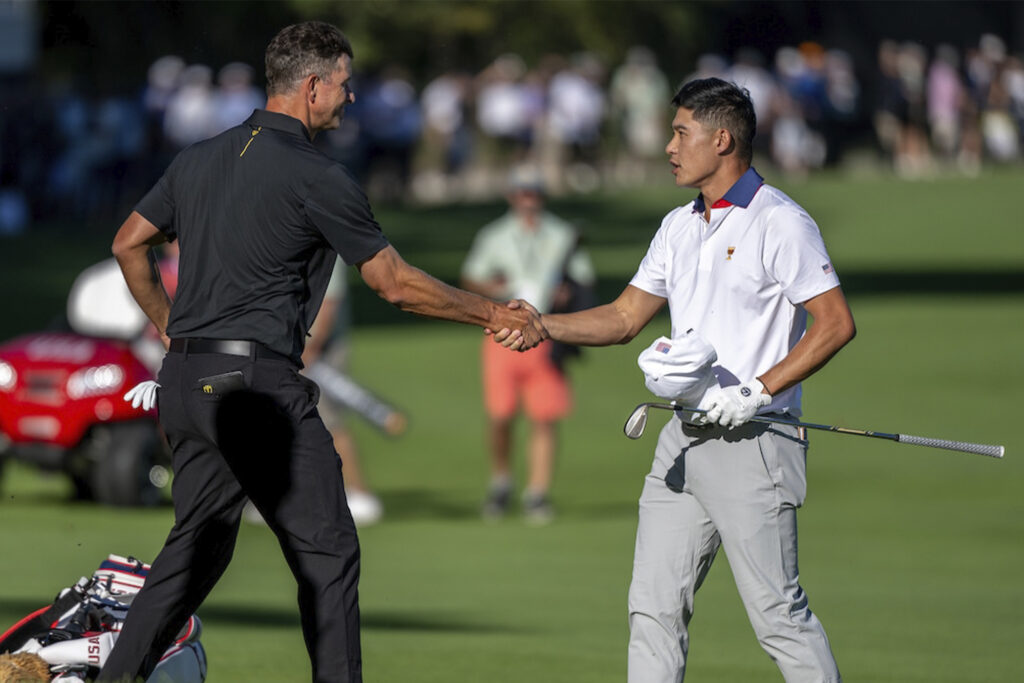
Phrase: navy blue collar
x=740 y=194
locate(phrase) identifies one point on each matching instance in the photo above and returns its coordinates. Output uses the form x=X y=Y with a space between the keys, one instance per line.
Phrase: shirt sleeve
x=651 y=275
x=795 y=255
x=479 y=264
x=157 y=206
x=340 y=211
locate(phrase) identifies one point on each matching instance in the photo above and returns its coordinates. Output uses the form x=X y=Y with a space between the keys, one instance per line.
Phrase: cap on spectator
x=526 y=178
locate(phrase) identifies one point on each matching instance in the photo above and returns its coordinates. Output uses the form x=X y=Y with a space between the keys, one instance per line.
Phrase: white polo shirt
x=738 y=280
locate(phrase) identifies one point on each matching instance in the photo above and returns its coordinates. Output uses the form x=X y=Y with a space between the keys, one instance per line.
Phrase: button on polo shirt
x=259 y=213
x=738 y=278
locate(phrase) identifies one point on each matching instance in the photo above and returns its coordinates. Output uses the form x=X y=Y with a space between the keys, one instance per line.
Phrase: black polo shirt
x=258 y=213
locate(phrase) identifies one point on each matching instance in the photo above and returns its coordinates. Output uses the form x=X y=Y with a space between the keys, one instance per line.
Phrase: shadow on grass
x=965 y=281
x=413 y=504
x=428 y=621
x=621 y=509
x=28 y=496
x=14 y=609
x=248 y=615
x=403 y=505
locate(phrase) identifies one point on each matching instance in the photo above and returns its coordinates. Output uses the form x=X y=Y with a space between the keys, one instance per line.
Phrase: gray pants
x=710 y=487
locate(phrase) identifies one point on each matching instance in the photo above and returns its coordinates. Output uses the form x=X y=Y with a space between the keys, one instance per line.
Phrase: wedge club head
x=634 y=427
x=637 y=422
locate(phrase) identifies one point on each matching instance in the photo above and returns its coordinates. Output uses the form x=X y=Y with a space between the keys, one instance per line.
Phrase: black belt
x=230 y=347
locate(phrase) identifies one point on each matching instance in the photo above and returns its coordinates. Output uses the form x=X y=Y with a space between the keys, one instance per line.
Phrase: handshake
x=521 y=327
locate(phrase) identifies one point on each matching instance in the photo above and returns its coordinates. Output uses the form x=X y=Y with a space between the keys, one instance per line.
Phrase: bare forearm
x=132 y=249
x=809 y=355
x=143 y=279
x=422 y=294
x=614 y=323
x=599 y=326
x=833 y=328
x=414 y=291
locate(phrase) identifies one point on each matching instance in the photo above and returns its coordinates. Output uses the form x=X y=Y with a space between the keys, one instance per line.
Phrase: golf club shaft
x=353 y=396
x=962 y=446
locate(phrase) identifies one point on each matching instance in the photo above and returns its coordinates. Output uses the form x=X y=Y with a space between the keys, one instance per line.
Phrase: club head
x=636 y=423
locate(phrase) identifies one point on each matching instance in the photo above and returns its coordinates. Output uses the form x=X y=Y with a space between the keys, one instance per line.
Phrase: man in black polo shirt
x=259 y=214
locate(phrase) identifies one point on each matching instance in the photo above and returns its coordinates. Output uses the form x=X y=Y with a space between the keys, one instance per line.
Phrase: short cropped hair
x=312 y=47
x=718 y=104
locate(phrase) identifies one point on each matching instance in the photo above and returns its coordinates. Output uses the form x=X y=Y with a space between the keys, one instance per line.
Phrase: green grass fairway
x=912 y=557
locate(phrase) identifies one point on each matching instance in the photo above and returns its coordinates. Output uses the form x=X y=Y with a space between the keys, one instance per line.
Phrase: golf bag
x=75 y=634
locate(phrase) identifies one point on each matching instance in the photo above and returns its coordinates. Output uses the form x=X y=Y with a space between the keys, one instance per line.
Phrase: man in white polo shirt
x=742 y=265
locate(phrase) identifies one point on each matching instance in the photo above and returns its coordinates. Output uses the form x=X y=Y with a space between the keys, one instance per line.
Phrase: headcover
x=101 y=305
x=680 y=368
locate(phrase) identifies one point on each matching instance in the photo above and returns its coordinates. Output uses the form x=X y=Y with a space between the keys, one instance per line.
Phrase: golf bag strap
x=37 y=622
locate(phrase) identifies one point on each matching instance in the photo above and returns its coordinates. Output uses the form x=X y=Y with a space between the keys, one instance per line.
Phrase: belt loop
x=252 y=351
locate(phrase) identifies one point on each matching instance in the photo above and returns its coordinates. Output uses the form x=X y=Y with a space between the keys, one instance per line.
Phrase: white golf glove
x=732 y=406
x=143 y=394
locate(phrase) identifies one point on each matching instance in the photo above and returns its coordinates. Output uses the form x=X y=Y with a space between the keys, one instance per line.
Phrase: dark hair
x=312 y=47
x=718 y=104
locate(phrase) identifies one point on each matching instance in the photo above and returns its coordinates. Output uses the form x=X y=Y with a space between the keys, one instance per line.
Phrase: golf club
x=637 y=422
x=360 y=400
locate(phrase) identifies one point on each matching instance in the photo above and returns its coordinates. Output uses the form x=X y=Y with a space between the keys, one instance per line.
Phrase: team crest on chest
x=729 y=251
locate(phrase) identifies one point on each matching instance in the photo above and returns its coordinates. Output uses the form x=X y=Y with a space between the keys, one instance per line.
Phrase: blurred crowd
x=584 y=123
x=71 y=154
x=945 y=109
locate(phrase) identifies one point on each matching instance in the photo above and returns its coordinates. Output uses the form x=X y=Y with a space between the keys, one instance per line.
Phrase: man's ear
x=310 y=85
x=724 y=142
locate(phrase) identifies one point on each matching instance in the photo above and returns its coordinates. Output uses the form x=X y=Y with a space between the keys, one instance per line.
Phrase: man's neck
x=720 y=183
x=528 y=220
x=294 y=107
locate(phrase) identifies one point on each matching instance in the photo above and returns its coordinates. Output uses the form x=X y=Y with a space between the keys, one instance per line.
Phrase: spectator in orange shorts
x=530 y=254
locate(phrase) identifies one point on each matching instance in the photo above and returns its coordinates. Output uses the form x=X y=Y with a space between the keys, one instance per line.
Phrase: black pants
x=265 y=441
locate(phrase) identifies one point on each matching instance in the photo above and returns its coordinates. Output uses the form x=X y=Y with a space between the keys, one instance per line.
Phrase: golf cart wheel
x=126 y=457
x=81 y=484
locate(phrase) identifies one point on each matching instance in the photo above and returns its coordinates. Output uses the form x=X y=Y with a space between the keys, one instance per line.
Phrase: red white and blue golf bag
x=75 y=634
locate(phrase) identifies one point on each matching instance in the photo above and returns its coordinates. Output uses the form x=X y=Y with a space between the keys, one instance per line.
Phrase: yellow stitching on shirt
x=253 y=137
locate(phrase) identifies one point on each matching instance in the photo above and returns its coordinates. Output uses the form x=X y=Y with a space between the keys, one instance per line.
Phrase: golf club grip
x=978 y=448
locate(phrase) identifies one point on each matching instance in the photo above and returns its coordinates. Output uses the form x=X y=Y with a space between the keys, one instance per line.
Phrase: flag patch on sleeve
x=663 y=347
x=827 y=268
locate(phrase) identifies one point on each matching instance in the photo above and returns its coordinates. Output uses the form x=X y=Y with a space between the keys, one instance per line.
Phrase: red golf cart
x=61 y=405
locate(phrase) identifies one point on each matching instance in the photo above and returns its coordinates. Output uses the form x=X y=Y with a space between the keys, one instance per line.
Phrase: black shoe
x=537 y=509
x=496 y=504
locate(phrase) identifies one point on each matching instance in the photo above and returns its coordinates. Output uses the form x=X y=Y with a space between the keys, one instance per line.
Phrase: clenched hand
x=522 y=327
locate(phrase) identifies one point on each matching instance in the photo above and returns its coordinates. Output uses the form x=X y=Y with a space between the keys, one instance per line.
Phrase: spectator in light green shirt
x=526 y=254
